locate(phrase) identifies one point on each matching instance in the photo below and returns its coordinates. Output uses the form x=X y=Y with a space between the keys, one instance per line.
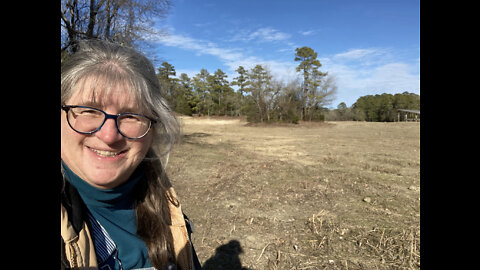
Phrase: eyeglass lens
x=89 y=120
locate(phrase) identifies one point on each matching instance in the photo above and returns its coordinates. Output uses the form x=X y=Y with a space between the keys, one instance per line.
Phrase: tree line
x=375 y=108
x=259 y=95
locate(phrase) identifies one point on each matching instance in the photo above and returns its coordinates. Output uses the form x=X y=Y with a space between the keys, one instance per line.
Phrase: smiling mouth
x=104 y=153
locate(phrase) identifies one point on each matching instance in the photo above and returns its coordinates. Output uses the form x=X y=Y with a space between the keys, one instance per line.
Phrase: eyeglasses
x=88 y=120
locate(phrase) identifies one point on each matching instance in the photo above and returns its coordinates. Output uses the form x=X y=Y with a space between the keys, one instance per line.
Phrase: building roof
x=410 y=111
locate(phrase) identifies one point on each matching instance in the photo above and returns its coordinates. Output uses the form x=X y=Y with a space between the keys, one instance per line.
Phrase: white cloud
x=307 y=33
x=199 y=47
x=365 y=57
x=355 y=54
x=269 y=34
x=232 y=58
x=370 y=71
x=395 y=77
x=265 y=34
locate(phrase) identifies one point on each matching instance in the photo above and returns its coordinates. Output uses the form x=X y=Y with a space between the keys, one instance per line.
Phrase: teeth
x=105 y=153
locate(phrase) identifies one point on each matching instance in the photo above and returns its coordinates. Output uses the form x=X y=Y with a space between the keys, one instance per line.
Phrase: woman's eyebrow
x=90 y=104
x=121 y=109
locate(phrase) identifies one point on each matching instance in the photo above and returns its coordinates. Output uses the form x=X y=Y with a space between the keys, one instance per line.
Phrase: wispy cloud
x=230 y=57
x=199 y=46
x=269 y=34
x=370 y=71
x=356 y=54
x=202 y=25
x=307 y=33
x=265 y=34
x=365 y=57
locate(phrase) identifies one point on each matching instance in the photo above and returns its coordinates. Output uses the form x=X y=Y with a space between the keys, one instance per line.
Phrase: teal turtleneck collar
x=119 y=197
x=114 y=210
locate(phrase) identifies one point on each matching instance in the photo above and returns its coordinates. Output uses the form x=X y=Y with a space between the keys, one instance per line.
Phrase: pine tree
x=167 y=83
x=309 y=66
x=202 y=92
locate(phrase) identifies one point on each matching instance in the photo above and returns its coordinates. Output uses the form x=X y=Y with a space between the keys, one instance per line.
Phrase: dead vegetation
x=283 y=197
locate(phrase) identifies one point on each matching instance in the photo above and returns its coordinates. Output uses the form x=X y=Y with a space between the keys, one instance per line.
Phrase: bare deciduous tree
x=321 y=96
x=120 y=21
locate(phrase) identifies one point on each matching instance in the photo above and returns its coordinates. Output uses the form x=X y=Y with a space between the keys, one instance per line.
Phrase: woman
x=118 y=210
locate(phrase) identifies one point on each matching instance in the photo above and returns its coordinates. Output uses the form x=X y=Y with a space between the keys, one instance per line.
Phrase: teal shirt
x=113 y=209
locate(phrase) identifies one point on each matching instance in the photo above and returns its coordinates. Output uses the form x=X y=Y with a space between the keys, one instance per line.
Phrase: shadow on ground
x=226 y=257
x=194 y=137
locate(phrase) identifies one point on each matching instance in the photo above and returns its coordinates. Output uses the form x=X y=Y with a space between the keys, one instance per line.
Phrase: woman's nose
x=109 y=132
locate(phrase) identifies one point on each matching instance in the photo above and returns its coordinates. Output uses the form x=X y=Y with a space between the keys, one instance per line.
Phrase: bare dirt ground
x=334 y=195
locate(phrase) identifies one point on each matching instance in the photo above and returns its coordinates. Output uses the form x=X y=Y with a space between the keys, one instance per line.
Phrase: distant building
x=408 y=115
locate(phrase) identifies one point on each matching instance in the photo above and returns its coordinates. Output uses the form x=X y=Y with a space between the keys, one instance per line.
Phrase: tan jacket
x=79 y=253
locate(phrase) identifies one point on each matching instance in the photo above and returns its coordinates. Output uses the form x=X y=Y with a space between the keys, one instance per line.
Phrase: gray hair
x=108 y=65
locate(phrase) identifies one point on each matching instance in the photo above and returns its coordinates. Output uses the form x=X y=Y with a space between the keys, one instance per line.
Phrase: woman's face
x=104 y=159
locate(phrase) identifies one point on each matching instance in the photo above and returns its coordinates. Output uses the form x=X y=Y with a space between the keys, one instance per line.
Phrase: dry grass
x=337 y=195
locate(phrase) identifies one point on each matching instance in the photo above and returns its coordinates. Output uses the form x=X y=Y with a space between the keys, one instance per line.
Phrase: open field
x=335 y=195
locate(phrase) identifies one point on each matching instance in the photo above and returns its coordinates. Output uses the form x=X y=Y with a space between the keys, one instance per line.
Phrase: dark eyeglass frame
x=66 y=108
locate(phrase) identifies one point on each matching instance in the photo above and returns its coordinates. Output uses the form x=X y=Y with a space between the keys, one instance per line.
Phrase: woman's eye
x=90 y=112
x=87 y=112
x=128 y=117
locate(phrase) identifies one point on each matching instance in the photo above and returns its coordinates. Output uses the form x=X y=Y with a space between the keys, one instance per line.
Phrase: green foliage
x=165 y=71
x=220 y=92
x=376 y=108
x=289 y=105
x=383 y=108
x=312 y=78
x=251 y=111
x=259 y=80
x=202 y=92
x=241 y=81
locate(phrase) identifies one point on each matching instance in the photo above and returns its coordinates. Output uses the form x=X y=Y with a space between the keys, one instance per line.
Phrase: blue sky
x=370 y=47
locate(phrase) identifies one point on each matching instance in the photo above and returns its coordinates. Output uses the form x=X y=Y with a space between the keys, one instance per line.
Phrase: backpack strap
x=73 y=203
x=189 y=224
x=190 y=229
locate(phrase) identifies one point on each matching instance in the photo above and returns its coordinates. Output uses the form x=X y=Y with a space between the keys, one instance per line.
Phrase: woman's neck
x=120 y=197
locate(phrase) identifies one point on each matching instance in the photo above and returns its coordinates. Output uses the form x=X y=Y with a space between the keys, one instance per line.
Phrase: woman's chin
x=104 y=181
